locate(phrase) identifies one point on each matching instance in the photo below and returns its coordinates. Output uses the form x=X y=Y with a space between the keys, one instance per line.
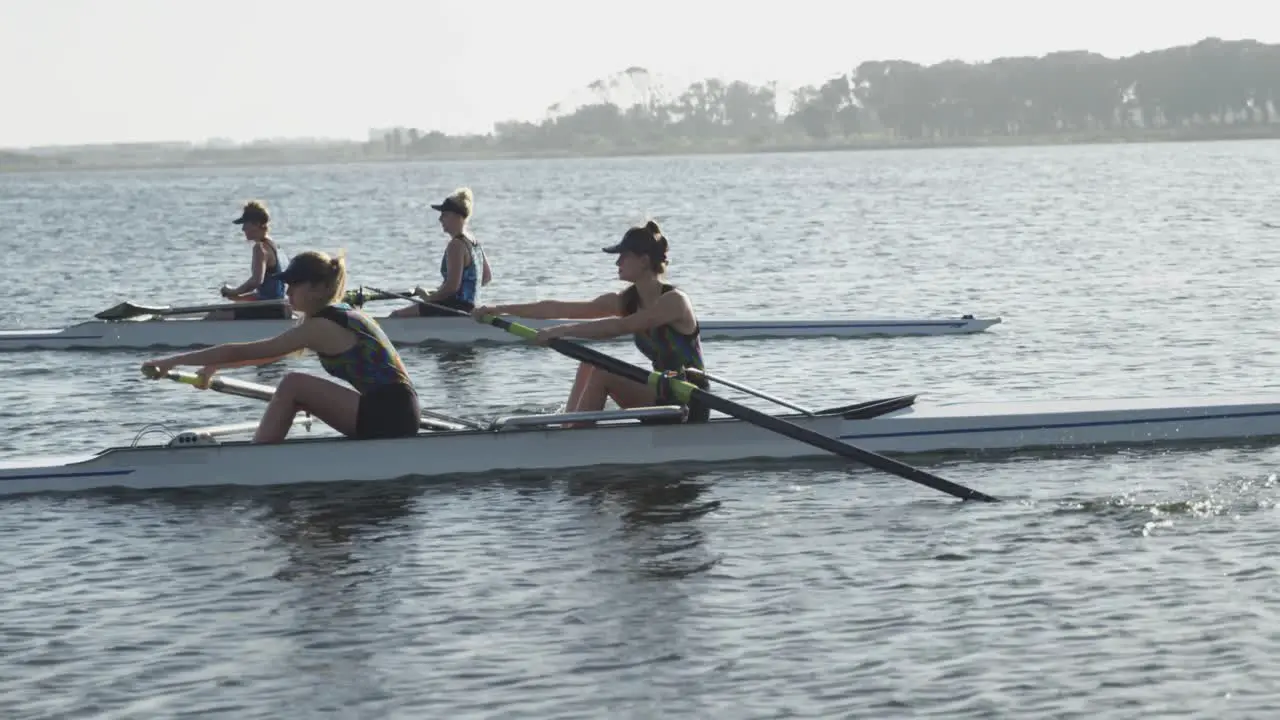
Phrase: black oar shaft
x=686 y=391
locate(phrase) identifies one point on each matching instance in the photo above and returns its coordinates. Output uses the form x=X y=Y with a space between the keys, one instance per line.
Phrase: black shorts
x=429 y=311
x=388 y=411
x=263 y=312
x=695 y=412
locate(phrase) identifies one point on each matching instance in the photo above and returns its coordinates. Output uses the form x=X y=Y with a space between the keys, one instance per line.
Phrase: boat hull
x=184 y=333
x=967 y=427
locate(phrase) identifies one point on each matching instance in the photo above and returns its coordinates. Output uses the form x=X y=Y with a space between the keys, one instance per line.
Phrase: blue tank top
x=272 y=288
x=372 y=362
x=469 y=288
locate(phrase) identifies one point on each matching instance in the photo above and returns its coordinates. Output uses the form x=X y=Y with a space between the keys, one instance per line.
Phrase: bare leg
x=627 y=393
x=407 y=311
x=335 y=405
x=580 y=383
x=593 y=386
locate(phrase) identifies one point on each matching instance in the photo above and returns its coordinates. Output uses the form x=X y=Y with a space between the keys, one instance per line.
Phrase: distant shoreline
x=355 y=153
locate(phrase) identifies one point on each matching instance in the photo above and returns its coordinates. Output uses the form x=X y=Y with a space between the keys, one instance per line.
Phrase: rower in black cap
x=658 y=315
x=464 y=268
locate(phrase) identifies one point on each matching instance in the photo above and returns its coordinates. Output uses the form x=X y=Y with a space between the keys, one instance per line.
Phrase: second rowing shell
x=154 y=332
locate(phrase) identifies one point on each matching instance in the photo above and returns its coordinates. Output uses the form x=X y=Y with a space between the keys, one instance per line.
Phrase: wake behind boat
x=467 y=446
x=131 y=326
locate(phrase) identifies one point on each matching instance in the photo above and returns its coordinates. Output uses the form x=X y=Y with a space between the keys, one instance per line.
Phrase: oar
x=687 y=392
x=243 y=388
x=750 y=391
x=126 y=310
x=360 y=297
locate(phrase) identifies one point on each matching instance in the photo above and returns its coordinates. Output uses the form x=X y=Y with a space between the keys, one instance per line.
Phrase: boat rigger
x=894 y=426
x=139 y=327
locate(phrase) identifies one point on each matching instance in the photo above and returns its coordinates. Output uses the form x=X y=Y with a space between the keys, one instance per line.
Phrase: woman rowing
x=351 y=346
x=264 y=271
x=659 y=316
x=464 y=267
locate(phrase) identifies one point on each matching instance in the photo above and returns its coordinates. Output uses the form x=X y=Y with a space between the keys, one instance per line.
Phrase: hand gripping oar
x=687 y=392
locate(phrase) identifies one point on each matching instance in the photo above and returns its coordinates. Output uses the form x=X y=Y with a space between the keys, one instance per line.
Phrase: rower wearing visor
x=659 y=317
x=464 y=268
x=264 y=271
x=351 y=347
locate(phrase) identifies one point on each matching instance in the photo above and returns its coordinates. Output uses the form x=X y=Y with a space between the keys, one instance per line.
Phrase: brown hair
x=650 y=234
x=330 y=272
x=255 y=211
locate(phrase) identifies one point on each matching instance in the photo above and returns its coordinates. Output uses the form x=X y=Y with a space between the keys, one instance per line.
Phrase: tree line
x=1211 y=88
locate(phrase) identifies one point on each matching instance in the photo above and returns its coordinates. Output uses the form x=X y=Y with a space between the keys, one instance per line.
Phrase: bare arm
x=452 y=281
x=488 y=273
x=257 y=272
x=247 y=363
x=671 y=308
x=604 y=306
x=249 y=353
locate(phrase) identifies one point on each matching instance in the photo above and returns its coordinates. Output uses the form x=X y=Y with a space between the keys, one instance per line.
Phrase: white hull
x=184 y=333
x=972 y=427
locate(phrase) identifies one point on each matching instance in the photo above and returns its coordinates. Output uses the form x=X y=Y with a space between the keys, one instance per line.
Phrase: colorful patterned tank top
x=667 y=348
x=372 y=361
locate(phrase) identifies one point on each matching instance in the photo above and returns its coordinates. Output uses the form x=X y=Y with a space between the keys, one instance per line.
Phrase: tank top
x=667 y=348
x=272 y=288
x=372 y=362
x=469 y=288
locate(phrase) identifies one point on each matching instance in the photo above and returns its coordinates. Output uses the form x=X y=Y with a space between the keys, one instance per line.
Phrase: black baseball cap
x=253 y=213
x=451 y=205
x=639 y=243
x=301 y=270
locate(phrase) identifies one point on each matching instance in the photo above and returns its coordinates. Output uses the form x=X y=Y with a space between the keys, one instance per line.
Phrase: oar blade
x=834 y=446
x=686 y=392
x=126 y=310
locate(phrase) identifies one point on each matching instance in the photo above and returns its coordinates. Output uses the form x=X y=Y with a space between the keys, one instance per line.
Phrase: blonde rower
x=464 y=268
x=351 y=346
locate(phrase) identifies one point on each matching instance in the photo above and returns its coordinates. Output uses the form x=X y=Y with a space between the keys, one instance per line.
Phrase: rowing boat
x=164 y=328
x=464 y=446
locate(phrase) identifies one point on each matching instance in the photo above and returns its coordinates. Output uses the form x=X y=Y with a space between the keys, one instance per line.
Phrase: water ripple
x=1135 y=584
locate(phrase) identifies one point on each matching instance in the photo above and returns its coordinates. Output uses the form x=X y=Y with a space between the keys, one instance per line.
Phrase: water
x=1120 y=584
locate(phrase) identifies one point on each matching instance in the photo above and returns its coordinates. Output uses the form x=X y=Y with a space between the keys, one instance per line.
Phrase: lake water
x=1117 y=584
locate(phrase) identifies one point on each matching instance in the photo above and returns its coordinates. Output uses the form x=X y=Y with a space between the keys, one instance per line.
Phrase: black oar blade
x=837 y=447
x=687 y=390
x=755 y=417
x=126 y=310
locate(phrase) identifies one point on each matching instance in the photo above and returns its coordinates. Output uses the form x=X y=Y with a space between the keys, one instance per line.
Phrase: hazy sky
x=74 y=71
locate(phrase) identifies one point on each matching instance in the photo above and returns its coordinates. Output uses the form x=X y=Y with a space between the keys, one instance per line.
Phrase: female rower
x=658 y=315
x=464 y=267
x=264 y=272
x=351 y=346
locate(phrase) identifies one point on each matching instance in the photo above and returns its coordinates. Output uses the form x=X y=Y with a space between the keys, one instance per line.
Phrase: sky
x=90 y=71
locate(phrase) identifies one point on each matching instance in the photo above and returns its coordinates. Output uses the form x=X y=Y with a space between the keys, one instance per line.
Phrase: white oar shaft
x=242 y=388
x=749 y=390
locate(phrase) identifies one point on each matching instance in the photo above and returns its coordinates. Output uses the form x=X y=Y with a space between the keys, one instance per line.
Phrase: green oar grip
x=681 y=389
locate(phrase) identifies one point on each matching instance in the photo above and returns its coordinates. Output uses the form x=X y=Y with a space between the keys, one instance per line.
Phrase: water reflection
x=457 y=368
x=659 y=513
x=323 y=529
